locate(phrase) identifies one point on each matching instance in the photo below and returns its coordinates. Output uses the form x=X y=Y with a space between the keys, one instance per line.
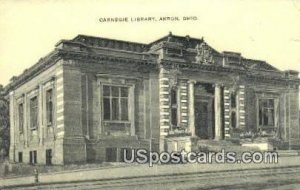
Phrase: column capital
x=11 y=93
x=40 y=86
x=192 y=81
x=218 y=85
x=183 y=79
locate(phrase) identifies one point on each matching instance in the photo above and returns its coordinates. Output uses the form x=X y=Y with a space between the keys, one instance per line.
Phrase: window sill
x=111 y=137
x=116 y=121
x=184 y=134
x=266 y=127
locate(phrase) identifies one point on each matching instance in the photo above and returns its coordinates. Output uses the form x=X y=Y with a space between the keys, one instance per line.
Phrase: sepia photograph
x=137 y=94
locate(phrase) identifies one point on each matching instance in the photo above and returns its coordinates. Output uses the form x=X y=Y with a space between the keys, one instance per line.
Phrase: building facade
x=93 y=97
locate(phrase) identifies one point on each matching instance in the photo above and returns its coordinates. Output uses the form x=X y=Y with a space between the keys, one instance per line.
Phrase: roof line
x=104 y=38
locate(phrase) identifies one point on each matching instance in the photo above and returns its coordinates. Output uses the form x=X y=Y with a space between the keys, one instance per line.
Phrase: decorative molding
x=204 y=54
x=103 y=75
x=33 y=92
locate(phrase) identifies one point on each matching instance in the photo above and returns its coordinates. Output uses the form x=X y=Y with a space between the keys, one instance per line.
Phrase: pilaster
x=12 y=126
x=40 y=115
x=227 y=112
x=59 y=129
x=25 y=121
x=183 y=103
x=293 y=108
x=164 y=106
x=241 y=107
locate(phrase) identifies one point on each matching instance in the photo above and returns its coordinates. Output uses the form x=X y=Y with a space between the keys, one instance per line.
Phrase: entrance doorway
x=204 y=111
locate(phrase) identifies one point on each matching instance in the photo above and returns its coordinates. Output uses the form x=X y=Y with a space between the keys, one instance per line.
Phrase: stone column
x=191 y=108
x=218 y=114
x=293 y=117
x=12 y=127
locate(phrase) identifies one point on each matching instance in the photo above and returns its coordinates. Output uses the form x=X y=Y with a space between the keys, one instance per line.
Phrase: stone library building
x=92 y=97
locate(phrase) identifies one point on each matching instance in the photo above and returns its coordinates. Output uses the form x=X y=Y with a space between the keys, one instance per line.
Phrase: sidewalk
x=131 y=171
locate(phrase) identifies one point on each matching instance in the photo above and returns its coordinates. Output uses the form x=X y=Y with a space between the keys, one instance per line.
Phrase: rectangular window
x=233 y=100
x=33 y=113
x=21 y=118
x=30 y=157
x=20 y=155
x=49 y=107
x=115 y=103
x=48 y=157
x=111 y=154
x=266 y=112
x=233 y=119
x=33 y=157
x=174 y=107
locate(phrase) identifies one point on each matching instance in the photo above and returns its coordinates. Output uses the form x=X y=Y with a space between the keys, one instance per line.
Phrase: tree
x=4 y=125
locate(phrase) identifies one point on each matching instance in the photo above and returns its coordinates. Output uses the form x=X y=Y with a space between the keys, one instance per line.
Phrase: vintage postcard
x=171 y=95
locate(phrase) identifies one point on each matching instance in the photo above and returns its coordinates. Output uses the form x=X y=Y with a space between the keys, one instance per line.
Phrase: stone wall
x=43 y=137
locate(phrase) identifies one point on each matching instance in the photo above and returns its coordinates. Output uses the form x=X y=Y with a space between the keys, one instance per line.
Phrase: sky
x=267 y=29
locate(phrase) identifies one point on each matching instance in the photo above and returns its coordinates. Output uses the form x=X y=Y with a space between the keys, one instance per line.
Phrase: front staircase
x=239 y=147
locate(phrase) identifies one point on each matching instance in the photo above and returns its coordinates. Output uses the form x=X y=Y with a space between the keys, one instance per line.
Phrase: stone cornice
x=257 y=75
x=40 y=66
x=92 y=57
x=90 y=49
x=65 y=44
x=110 y=43
x=58 y=54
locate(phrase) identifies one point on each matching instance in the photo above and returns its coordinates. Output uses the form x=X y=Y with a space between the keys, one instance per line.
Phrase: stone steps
x=210 y=145
x=288 y=152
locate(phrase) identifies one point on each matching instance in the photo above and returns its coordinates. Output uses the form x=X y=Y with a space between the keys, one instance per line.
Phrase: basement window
x=48 y=156
x=20 y=156
x=111 y=154
x=33 y=157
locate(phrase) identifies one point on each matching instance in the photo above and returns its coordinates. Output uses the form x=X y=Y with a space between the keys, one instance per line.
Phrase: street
x=284 y=175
